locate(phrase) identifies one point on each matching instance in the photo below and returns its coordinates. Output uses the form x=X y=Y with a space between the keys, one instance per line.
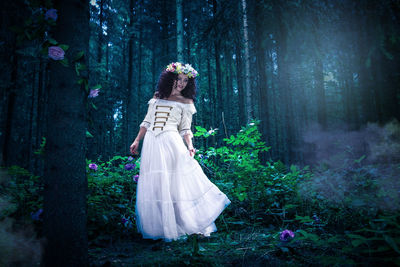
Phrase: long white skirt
x=174 y=197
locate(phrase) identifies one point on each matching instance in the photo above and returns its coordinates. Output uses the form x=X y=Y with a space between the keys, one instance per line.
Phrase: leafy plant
x=24 y=191
x=252 y=185
x=112 y=195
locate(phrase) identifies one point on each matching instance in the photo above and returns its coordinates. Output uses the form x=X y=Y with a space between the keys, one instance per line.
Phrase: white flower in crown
x=178 y=68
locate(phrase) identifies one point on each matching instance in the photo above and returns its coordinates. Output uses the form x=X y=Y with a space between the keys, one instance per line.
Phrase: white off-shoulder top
x=169 y=115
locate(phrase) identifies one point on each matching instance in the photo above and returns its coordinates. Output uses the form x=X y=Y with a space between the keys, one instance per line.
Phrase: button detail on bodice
x=161 y=116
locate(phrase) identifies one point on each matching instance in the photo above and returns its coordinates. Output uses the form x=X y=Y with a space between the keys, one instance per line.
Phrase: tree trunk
x=100 y=41
x=31 y=124
x=211 y=95
x=65 y=188
x=219 y=104
x=9 y=143
x=230 y=107
x=108 y=112
x=139 y=78
x=241 y=95
x=179 y=30
x=284 y=85
x=153 y=66
x=10 y=15
x=107 y=59
x=365 y=76
x=350 y=103
x=41 y=110
x=275 y=124
x=165 y=31
x=128 y=115
x=320 y=91
x=263 y=101
x=249 y=108
x=319 y=73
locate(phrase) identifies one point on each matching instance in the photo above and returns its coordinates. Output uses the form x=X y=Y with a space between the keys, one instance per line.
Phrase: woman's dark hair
x=166 y=81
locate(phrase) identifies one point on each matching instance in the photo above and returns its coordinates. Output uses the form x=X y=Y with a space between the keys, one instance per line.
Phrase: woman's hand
x=192 y=151
x=134 y=147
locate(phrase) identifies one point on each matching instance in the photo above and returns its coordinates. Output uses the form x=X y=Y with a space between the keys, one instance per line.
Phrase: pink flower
x=94 y=93
x=93 y=166
x=136 y=178
x=56 y=53
x=51 y=14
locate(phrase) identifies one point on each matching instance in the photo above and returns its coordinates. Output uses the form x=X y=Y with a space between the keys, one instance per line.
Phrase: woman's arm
x=143 y=127
x=135 y=145
x=188 y=140
x=185 y=124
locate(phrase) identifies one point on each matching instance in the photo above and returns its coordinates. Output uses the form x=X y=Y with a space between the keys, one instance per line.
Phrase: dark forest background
x=334 y=63
x=310 y=74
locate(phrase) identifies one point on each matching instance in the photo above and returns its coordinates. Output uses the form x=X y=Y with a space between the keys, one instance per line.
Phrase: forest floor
x=246 y=247
x=249 y=246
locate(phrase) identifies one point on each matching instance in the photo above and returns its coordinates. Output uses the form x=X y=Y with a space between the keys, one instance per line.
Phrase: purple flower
x=56 y=53
x=93 y=166
x=94 y=93
x=51 y=14
x=136 y=178
x=202 y=156
x=36 y=216
x=286 y=235
x=127 y=222
x=130 y=166
x=316 y=219
x=130 y=158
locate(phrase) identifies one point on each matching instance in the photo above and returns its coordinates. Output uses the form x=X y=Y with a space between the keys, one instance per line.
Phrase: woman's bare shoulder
x=181 y=99
x=188 y=101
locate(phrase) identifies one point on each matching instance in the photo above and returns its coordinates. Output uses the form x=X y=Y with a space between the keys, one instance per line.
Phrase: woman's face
x=181 y=82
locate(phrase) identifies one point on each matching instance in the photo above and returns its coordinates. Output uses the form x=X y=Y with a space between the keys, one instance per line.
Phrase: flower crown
x=178 y=68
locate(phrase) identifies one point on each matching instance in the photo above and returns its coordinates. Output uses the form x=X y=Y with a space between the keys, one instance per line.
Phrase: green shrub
x=254 y=187
x=23 y=191
x=112 y=196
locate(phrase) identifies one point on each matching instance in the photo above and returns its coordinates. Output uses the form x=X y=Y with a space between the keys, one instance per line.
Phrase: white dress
x=174 y=197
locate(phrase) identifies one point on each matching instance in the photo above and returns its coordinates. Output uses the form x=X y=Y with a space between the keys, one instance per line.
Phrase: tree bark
x=211 y=94
x=350 y=103
x=31 y=120
x=179 y=30
x=319 y=74
x=9 y=143
x=10 y=15
x=263 y=101
x=139 y=64
x=284 y=84
x=100 y=41
x=230 y=106
x=239 y=77
x=218 y=76
x=249 y=107
x=128 y=115
x=65 y=188
x=41 y=111
x=275 y=124
x=320 y=91
x=165 y=31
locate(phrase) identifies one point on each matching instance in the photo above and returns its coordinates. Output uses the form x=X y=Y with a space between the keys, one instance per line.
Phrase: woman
x=174 y=197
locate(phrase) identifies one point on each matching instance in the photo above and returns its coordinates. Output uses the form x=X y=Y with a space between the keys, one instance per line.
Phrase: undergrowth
x=338 y=216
